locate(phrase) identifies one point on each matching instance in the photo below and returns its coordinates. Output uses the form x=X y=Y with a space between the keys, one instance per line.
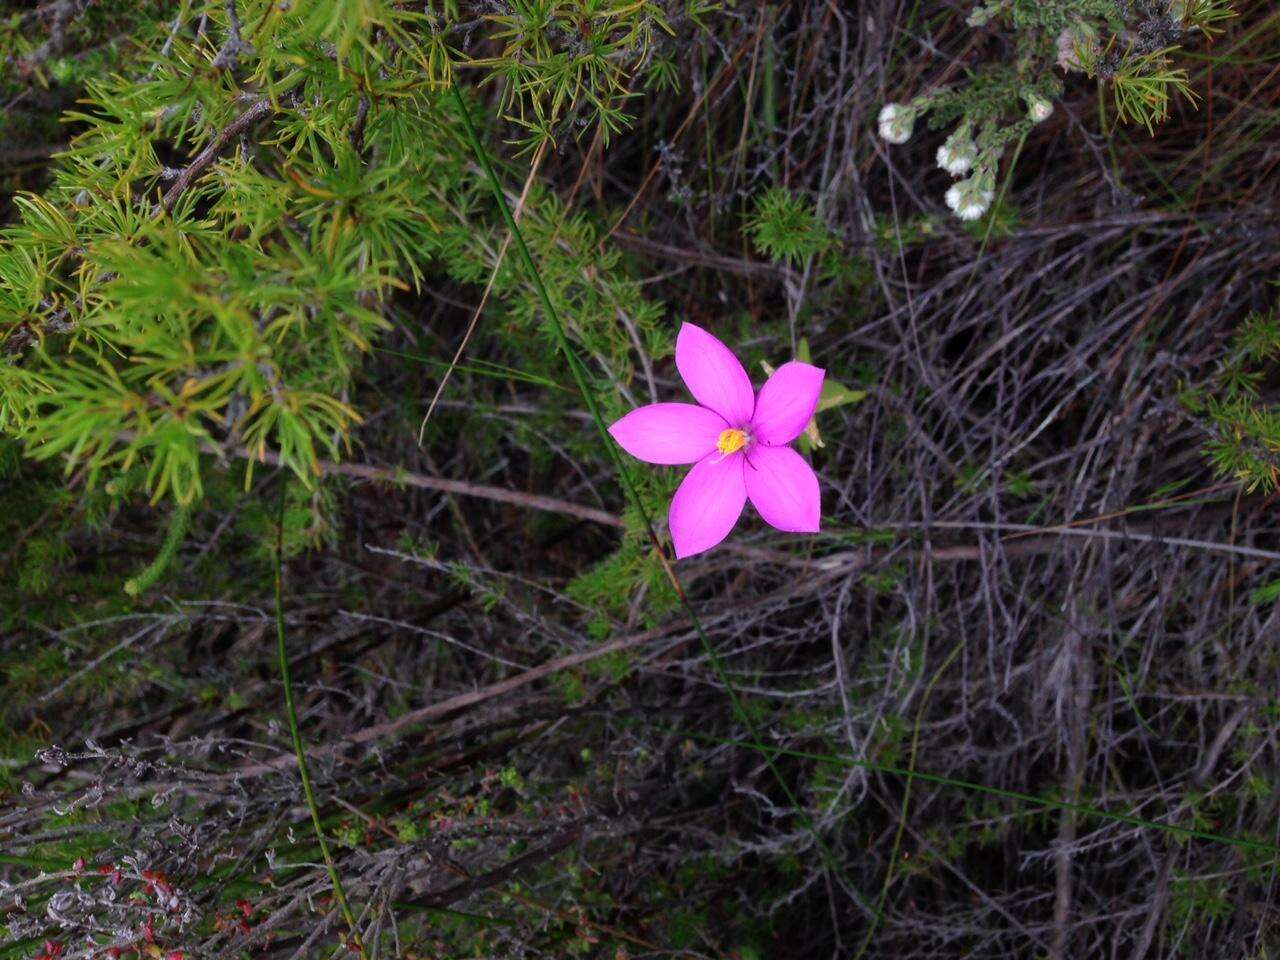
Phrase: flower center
x=731 y=441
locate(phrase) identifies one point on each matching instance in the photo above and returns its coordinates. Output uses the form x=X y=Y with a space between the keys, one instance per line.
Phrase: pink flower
x=736 y=439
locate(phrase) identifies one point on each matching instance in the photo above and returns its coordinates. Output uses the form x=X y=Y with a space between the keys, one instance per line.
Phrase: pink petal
x=784 y=488
x=713 y=375
x=786 y=403
x=669 y=432
x=707 y=504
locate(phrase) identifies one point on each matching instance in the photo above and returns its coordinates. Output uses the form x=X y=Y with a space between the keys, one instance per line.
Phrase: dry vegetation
x=1017 y=700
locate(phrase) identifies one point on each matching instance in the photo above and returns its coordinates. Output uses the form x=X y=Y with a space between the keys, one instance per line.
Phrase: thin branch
x=399 y=476
x=488 y=288
x=295 y=733
x=258 y=111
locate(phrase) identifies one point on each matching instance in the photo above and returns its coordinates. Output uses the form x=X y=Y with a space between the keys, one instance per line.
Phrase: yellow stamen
x=731 y=441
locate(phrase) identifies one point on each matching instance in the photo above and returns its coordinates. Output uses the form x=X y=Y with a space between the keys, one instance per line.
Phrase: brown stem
x=239 y=125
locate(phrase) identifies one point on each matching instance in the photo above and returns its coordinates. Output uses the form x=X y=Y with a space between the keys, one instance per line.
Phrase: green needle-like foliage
x=1244 y=422
x=786 y=227
x=221 y=242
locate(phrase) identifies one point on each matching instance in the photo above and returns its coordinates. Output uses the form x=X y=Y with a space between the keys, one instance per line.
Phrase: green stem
x=291 y=713
x=906 y=801
x=179 y=523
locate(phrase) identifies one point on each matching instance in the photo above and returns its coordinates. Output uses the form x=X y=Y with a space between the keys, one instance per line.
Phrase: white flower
x=896 y=121
x=1038 y=108
x=952 y=162
x=958 y=154
x=970 y=199
x=972 y=208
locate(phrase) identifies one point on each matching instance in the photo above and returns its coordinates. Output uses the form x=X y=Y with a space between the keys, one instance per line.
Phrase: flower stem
x=291 y=713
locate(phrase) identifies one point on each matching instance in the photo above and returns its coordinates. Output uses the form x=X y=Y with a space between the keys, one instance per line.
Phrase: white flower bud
x=952 y=162
x=969 y=199
x=972 y=208
x=896 y=122
x=958 y=154
x=1038 y=108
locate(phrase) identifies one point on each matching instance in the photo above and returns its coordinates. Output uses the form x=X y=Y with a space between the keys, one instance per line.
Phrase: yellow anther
x=731 y=441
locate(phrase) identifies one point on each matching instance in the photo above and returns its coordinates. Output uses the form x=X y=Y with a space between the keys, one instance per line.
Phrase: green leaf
x=1268 y=593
